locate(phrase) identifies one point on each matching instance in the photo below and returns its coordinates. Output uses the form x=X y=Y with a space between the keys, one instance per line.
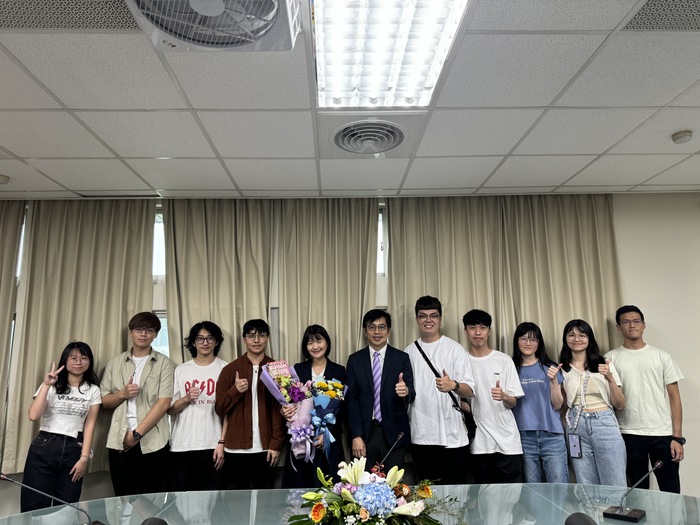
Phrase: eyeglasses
x=524 y=339
x=201 y=339
x=376 y=327
x=82 y=359
x=425 y=317
x=255 y=335
x=631 y=322
x=149 y=331
x=572 y=335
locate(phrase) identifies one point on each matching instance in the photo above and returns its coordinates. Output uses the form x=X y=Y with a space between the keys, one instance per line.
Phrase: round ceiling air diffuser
x=368 y=137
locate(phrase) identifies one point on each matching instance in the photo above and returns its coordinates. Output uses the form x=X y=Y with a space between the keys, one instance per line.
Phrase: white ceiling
x=538 y=96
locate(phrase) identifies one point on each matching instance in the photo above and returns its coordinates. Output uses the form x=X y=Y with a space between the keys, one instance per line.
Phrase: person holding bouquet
x=319 y=370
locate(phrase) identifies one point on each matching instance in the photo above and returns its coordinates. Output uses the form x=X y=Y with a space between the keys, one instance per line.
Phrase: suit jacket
x=333 y=371
x=360 y=395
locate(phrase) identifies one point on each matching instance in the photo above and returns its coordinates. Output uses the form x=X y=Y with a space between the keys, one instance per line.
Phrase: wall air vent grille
x=66 y=14
x=666 y=15
x=369 y=137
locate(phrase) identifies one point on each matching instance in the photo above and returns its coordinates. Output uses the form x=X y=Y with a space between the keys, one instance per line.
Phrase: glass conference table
x=517 y=504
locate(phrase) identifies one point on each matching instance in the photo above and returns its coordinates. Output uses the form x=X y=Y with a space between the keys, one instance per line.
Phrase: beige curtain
x=327 y=271
x=217 y=266
x=87 y=268
x=11 y=215
x=522 y=258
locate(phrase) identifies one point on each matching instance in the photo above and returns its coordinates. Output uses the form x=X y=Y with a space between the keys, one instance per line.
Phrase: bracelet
x=221 y=442
x=456 y=386
x=85 y=457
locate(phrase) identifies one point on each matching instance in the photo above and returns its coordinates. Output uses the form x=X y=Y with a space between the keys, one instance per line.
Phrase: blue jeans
x=604 y=457
x=544 y=452
x=49 y=462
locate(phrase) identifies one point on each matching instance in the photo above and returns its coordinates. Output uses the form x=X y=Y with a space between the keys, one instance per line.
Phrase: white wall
x=658 y=239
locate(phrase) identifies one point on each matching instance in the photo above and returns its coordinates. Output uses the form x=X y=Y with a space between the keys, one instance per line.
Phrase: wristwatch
x=680 y=440
x=137 y=436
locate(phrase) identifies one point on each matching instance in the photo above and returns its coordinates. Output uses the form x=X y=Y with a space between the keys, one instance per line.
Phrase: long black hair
x=540 y=353
x=593 y=357
x=89 y=376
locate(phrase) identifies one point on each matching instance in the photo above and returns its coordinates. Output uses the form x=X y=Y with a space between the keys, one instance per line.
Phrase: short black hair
x=256 y=326
x=428 y=302
x=473 y=317
x=210 y=327
x=625 y=310
x=373 y=315
x=314 y=332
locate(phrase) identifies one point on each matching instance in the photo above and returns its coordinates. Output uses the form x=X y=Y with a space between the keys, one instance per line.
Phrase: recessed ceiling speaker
x=368 y=137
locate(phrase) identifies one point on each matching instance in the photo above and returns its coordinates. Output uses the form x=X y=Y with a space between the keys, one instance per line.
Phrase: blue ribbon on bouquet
x=321 y=424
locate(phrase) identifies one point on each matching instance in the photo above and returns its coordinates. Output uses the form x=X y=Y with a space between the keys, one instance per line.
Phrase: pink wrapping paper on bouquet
x=283 y=383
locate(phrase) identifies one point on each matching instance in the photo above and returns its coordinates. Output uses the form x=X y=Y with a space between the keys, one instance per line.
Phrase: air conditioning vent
x=369 y=137
x=225 y=25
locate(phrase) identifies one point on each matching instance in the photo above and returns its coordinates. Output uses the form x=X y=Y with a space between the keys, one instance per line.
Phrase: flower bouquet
x=368 y=498
x=328 y=396
x=283 y=383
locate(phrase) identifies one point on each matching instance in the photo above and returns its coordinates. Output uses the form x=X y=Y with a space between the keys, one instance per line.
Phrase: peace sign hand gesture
x=52 y=376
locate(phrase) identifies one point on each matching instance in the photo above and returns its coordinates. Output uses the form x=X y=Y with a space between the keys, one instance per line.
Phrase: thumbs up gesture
x=401 y=388
x=497 y=392
x=445 y=383
x=605 y=371
x=131 y=389
x=552 y=372
x=241 y=384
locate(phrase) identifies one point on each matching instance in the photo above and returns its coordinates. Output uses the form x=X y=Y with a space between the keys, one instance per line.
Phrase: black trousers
x=194 y=470
x=444 y=466
x=641 y=450
x=134 y=472
x=497 y=468
x=377 y=447
x=248 y=471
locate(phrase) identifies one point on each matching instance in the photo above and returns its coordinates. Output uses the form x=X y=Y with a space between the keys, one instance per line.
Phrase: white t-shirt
x=139 y=364
x=65 y=413
x=197 y=427
x=645 y=373
x=496 y=429
x=434 y=421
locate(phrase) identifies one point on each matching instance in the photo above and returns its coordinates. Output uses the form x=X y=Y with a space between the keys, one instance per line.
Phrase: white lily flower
x=354 y=473
x=394 y=476
x=413 y=508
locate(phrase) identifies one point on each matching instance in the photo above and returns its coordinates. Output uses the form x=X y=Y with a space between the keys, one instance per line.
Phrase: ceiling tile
x=270 y=80
x=450 y=172
x=47 y=134
x=200 y=194
x=368 y=174
x=149 y=133
x=96 y=70
x=475 y=131
x=686 y=172
x=273 y=134
x=514 y=70
x=90 y=174
x=638 y=69
x=624 y=169
x=582 y=131
x=182 y=174
x=19 y=90
x=24 y=178
x=552 y=15
x=539 y=170
x=272 y=193
x=516 y=190
x=654 y=136
x=437 y=192
x=119 y=194
x=281 y=174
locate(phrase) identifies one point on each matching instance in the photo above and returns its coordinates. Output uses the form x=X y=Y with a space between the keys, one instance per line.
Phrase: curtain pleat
x=218 y=265
x=327 y=271
x=87 y=268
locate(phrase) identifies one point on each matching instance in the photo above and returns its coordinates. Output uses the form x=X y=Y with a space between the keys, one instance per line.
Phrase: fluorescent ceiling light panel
x=382 y=53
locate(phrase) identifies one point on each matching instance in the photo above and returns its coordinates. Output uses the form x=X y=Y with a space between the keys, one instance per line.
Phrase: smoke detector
x=369 y=137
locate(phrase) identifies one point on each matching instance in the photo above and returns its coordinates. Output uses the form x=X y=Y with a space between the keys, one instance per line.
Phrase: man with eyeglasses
x=256 y=430
x=652 y=421
x=138 y=385
x=439 y=439
x=197 y=441
x=497 y=454
x=380 y=388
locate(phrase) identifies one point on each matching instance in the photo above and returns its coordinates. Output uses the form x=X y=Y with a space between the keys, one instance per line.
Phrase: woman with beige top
x=592 y=391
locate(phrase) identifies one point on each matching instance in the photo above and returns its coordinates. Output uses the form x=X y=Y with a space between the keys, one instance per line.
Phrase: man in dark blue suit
x=375 y=423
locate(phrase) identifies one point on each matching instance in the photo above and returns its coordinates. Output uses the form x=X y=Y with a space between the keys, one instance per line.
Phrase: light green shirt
x=156 y=383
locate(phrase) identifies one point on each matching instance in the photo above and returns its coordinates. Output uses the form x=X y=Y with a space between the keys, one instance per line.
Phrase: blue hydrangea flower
x=377 y=498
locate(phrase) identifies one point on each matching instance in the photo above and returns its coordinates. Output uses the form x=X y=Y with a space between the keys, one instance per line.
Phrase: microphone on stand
x=3 y=477
x=398 y=438
x=621 y=512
